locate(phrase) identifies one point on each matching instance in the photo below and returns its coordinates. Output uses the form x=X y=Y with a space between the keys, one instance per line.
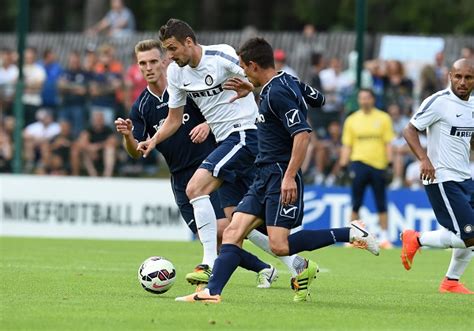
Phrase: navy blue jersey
x=282 y=114
x=150 y=111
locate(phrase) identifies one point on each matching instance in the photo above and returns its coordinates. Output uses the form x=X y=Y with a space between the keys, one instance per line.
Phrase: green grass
x=91 y=285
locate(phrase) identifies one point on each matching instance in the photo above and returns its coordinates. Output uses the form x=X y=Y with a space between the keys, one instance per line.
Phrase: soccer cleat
x=362 y=239
x=385 y=244
x=266 y=277
x=203 y=296
x=453 y=286
x=200 y=275
x=300 y=284
x=410 y=246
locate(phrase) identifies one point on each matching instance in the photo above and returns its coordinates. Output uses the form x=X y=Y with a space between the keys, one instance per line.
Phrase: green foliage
x=92 y=285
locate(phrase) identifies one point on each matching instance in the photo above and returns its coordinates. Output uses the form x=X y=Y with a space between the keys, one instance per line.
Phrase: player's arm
x=289 y=189
x=124 y=127
x=169 y=127
x=411 y=135
x=347 y=139
x=312 y=96
x=241 y=86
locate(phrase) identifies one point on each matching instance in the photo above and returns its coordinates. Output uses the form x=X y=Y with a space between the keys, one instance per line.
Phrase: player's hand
x=145 y=147
x=289 y=191
x=242 y=87
x=123 y=126
x=427 y=171
x=199 y=133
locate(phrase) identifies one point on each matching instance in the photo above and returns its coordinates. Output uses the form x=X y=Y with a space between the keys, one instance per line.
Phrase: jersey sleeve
x=426 y=115
x=388 y=133
x=284 y=105
x=347 y=134
x=138 y=124
x=230 y=60
x=312 y=96
x=177 y=96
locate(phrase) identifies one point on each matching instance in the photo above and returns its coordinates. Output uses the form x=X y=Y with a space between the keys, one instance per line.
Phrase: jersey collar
x=159 y=98
x=279 y=74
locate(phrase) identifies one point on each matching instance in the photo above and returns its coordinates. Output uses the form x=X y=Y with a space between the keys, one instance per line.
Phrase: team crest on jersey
x=292 y=117
x=209 y=80
x=288 y=211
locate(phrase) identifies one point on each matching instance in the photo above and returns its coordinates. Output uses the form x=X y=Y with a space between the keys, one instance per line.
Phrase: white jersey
x=203 y=84
x=449 y=124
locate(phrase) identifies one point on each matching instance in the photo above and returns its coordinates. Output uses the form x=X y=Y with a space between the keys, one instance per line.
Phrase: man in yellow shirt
x=366 y=141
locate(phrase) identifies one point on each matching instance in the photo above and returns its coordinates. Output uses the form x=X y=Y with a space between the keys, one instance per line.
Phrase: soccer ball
x=156 y=275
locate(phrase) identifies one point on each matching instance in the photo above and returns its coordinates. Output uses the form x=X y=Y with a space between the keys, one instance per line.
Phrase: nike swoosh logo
x=197 y=298
x=269 y=279
x=286 y=211
x=365 y=233
x=184 y=84
x=458 y=115
x=203 y=226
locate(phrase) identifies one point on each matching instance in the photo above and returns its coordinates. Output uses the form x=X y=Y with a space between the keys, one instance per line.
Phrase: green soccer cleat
x=200 y=275
x=301 y=283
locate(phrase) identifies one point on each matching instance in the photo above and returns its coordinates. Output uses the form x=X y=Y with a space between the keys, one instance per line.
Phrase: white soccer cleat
x=266 y=277
x=360 y=238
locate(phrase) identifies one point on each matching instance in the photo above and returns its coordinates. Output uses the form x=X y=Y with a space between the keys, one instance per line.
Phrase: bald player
x=448 y=118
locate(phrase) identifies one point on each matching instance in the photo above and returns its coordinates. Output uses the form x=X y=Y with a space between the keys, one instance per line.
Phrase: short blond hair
x=147 y=45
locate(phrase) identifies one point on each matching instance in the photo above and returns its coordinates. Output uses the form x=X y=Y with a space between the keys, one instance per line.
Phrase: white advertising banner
x=84 y=207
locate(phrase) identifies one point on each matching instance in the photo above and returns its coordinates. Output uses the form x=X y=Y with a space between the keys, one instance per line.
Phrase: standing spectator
x=118 y=22
x=429 y=83
x=105 y=85
x=398 y=88
x=134 y=84
x=8 y=79
x=35 y=77
x=333 y=84
x=442 y=72
x=95 y=148
x=73 y=86
x=36 y=138
x=366 y=139
x=53 y=71
x=376 y=69
x=467 y=52
x=279 y=56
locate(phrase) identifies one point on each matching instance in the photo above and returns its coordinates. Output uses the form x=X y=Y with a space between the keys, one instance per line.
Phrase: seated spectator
x=398 y=88
x=376 y=69
x=35 y=76
x=73 y=86
x=95 y=149
x=8 y=79
x=412 y=177
x=327 y=155
x=36 y=139
x=428 y=82
x=442 y=72
x=60 y=151
x=53 y=69
x=6 y=149
x=118 y=22
x=280 y=62
x=332 y=84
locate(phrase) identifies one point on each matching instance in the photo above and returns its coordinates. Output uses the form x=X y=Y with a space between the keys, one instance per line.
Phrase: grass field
x=91 y=285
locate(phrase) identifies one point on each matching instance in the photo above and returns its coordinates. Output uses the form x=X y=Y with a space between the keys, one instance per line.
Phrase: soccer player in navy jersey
x=276 y=195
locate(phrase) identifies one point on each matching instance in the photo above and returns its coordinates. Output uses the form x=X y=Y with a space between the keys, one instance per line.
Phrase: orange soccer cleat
x=453 y=286
x=410 y=246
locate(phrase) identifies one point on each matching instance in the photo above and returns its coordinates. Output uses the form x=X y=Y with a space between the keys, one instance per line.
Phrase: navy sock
x=251 y=262
x=226 y=263
x=309 y=240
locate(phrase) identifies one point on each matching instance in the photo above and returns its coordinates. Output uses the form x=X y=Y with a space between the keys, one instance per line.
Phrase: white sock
x=441 y=239
x=206 y=224
x=294 y=263
x=383 y=235
x=459 y=261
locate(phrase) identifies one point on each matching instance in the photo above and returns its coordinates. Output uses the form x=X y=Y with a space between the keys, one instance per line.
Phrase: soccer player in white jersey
x=448 y=118
x=199 y=71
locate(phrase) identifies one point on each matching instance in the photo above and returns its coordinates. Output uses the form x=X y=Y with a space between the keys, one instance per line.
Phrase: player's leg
x=360 y=179
x=198 y=190
x=453 y=210
x=459 y=261
x=230 y=257
x=377 y=183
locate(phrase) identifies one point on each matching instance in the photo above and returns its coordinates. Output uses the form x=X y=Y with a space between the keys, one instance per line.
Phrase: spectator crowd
x=69 y=111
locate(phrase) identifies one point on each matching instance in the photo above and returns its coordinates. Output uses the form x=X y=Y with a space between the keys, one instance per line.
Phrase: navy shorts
x=233 y=162
x=363 y=175
x=453 y=205
x=179 y=181
x=263 y=198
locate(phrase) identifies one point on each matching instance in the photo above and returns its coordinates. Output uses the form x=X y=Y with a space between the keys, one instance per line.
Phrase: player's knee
x=279 y=249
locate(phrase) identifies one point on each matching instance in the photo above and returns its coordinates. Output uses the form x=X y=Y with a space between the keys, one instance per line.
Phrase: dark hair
x=368 y=90
x=316 y=58
x=178 y=29
x=257 y=50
